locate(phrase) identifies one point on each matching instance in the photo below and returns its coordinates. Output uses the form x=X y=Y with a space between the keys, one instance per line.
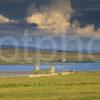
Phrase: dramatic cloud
x=4 y=20
x=55 y=17
x=87 y=31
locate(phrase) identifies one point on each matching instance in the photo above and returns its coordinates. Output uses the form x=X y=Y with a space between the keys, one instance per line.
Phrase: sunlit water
x=58 y=66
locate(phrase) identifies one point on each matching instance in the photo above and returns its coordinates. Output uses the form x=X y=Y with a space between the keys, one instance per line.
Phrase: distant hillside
x=49 y=50
x=9 y=55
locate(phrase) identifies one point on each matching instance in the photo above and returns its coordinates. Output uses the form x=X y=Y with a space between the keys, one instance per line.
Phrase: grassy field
x=79 y=86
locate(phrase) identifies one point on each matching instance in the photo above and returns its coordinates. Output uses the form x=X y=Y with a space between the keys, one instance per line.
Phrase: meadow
x=78 y=86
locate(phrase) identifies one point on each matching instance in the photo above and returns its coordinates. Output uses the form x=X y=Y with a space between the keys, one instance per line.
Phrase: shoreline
x=30 y=73
x=52 y=74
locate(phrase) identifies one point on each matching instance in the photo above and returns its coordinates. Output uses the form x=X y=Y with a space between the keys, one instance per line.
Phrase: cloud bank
x=87 y=31
x=5 y=20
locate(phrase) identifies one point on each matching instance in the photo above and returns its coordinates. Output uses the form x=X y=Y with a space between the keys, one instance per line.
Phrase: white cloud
x=55 y=18
x=86 y=31
x=4 y=20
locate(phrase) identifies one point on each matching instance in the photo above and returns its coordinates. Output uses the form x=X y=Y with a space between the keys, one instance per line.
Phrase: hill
x=30 y=56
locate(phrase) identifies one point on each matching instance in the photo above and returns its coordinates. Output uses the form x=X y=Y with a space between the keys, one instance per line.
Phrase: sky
x=50 y=18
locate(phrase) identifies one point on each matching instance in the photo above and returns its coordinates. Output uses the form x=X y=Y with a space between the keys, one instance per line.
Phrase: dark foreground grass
x=79 y=86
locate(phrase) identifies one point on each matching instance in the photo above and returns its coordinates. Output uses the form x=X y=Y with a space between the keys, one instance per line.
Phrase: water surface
x=58 y=66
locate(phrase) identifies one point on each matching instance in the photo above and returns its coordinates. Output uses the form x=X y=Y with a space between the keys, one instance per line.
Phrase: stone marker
x=52 y=69
x=37 y=67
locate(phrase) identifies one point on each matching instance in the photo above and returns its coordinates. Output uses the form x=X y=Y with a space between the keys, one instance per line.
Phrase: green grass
x=79 y=86
x=41 y=72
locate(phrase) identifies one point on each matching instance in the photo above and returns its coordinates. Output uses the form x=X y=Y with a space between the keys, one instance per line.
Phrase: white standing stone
x=52 y=69
x=37 y=68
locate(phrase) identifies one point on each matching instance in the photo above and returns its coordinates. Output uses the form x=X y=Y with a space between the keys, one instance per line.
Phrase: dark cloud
x=86 y=11
x=14 y=8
